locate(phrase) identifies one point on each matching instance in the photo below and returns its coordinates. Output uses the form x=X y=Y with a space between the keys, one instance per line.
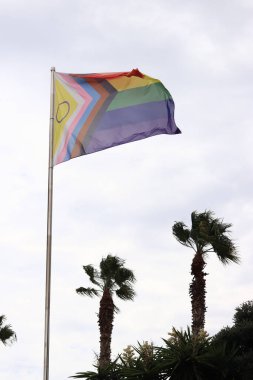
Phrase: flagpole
x=49 y=231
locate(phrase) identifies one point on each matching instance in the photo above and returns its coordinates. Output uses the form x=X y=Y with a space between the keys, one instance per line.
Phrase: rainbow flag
x=98 y=111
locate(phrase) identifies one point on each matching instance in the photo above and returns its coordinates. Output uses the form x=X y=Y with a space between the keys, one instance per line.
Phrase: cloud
x=123 y=200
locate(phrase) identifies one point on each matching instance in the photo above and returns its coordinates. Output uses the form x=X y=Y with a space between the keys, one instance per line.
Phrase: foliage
x=240 y=335
x=181 y=356
x=109 y=372
x=7 y=335
x=111 y=278
x=185 y=356
x=244 y=313
x=207 y=234
x=141 y=363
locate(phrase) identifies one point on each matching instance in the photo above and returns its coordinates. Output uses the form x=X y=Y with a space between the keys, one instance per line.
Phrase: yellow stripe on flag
x=124 y=82
x=65 y=106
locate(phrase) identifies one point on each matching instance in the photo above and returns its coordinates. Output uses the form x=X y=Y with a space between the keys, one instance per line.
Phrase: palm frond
x=124 y=274
x=89 y=375
x=110 y=265
x=211 y=235
x=92 y=273
x=218 y=227
x=90 y=292
x=7 y=334
x=102 y=373
x=2 y=319
x=200 y=227
x=116 y=309
x=182 y=234
x=226 y=250
x=195 y=219
x=125 y=292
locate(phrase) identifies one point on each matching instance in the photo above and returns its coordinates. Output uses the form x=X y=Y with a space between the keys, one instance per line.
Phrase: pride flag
x=98 y=111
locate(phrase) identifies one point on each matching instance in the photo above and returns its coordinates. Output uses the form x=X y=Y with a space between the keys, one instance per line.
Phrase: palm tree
x=7 y=335
x=112 y=277
x=207 y=234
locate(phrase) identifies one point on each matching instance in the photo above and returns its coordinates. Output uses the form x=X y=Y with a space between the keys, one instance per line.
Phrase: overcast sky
x=124 y=200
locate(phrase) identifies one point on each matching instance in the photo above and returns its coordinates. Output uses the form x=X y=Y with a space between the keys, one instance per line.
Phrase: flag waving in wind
x=98 y=111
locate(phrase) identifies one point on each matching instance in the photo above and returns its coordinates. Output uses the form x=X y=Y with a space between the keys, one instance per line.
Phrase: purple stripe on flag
x=137 y=113
x=109 y=137
x=131 y=124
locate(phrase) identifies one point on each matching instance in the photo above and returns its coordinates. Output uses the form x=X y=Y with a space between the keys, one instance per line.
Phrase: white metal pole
x=49 y=230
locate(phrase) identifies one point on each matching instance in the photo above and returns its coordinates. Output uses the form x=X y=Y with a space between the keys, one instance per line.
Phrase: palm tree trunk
x=105 y=322
x=197 y=293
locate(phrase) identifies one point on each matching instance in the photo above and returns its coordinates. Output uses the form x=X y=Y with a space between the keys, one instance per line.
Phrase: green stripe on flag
x=152 y=93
